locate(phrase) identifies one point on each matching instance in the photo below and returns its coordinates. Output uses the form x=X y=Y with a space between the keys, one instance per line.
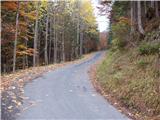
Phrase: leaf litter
x=12 y=92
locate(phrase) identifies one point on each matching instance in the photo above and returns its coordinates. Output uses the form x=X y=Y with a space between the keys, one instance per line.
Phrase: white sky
x=103 y=22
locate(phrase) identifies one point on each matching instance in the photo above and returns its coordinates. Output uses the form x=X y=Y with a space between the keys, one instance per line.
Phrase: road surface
x=67 y=94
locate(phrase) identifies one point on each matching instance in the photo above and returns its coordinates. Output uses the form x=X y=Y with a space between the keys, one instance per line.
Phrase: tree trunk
x=63 y=52
x=16 y=36
x=72 y=50
x=139 y=18
x=26 y=56
x=152 y=4
x=46 y=41
x=81 y=40
x=145 y=7
x=35 y=37
x=63 y=35
x=132 y=16
x=156 y=7
x=38 y=47
x=26 y=40
x=55 y=38
x=24 y=63
x=78 y=31
x=81 y=44
x=50 y=40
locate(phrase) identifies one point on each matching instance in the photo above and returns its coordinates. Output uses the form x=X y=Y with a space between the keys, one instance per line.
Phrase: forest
x=46 y=32
x=44 y=43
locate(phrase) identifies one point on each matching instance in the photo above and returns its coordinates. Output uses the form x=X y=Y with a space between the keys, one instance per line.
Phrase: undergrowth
x=133 y=80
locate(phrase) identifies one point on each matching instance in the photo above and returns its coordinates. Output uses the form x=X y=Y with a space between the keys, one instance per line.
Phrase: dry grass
x=132 y=79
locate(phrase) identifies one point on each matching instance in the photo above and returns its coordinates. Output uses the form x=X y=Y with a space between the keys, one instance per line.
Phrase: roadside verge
x=109 y=97
x=31 y=73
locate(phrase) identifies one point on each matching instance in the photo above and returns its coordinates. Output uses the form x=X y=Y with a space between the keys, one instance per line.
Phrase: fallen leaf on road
x=24 y=98
x=13 y=87
x=19 y=103
x=115 y=103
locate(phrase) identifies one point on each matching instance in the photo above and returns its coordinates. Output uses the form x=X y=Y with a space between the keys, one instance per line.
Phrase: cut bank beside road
x=128 y=85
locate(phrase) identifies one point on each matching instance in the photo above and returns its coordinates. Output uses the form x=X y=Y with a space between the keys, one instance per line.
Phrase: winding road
x=67 y=94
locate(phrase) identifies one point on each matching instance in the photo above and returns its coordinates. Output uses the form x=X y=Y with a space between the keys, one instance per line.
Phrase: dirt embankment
x=128 y=81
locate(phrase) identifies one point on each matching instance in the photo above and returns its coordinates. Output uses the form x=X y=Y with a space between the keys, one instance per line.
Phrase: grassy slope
x=132 y=80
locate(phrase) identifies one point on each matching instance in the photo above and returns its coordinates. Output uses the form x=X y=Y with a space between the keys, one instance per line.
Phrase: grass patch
x=130 y=78
x=149 y=48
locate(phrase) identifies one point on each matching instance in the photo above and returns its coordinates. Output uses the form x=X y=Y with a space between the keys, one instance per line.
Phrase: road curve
x=67 y=94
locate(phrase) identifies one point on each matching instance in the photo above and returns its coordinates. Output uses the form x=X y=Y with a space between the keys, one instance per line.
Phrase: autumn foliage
x=65 y=30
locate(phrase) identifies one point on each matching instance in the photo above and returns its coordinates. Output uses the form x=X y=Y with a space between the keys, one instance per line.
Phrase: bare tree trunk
x=26 y=41
x=46 y=42
x=156 y=7
x=135 y=15
x=81 y=44
x=63 y=52
x=139 y=18
x=152 y=4
x=50 y=40
x=35 y=37
x=4 y=68
x=132 y=16
x=63 y=36
x=145 y=7
x=78 y=31
x=55 y=48
x=55 y=39
x=16 y=36
x=24 y=62
x=26 y=56
x=38 y=49
x=81 y=40
x=72 y=50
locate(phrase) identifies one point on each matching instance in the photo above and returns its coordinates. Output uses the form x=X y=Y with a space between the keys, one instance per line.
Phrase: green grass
x=131 y=79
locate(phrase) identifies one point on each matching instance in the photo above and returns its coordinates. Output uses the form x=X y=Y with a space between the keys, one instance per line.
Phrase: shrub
x=134 y=87
x=118 y=43
x=148 y=48
x=120 y=33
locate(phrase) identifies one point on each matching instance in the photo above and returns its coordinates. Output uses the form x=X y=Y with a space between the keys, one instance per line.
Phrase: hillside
x=130 y=72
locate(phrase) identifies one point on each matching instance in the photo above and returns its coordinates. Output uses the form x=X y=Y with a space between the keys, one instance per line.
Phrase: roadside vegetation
x=131 y=70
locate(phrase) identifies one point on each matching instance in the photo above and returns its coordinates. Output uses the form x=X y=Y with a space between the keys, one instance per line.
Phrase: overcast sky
x=103 y=22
